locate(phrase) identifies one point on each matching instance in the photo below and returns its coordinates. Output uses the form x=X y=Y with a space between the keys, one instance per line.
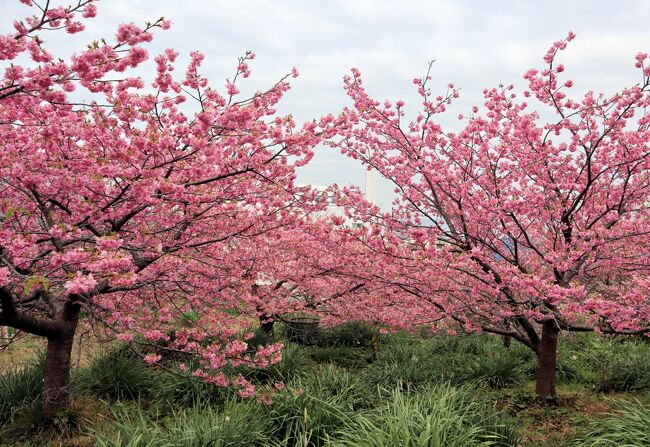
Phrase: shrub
x=627 y=426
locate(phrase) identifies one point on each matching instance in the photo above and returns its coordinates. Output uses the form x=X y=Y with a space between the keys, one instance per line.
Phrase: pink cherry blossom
x=80 y=284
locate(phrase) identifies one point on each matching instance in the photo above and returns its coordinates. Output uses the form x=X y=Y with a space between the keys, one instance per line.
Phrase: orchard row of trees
x=125 y=206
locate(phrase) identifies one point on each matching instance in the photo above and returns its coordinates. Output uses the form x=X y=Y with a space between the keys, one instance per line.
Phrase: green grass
x=438 y=416
x=415 y=363
x=236 y=424
x=627 y=426
x=116 y=375
x=354 y=358
x=405 y=390
x=624 y=366
x=20 y=389
x=176 y=389
x=348 y=335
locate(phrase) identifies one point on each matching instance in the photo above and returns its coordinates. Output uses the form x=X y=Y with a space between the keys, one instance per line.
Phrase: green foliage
x=341 y=356
x=336 y=382
x=293 y=365
x=116 y=375
x=175 y=388
x=238 y=424
x=496 y=371
x=628 y=426
x=327 y=399
x=624 y=366
x=20 y=389
x=404 y=362
x=465 y=344
x=351 y=335
x=413 y=391
x=414 y=363
x=438 y=416
x=304 y=416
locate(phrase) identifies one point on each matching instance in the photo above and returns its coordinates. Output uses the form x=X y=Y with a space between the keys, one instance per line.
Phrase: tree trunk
x=56 y=383
x=56 y=386
x=547 y=360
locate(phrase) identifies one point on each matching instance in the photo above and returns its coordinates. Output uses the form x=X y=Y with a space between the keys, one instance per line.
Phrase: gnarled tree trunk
x=546 y=367
x=59 y=330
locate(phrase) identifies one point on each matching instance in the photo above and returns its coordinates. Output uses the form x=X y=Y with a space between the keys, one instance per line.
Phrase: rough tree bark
x=546 y=351
x=56 y=386
x=59 y=330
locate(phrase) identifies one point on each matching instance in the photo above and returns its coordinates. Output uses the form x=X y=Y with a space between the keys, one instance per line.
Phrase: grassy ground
x=28 y=347
x=20 y=352
x=555 y=423
x=352 y=388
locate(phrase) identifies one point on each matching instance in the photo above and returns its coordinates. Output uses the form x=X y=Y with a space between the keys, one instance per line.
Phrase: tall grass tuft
x=439 y=416
x=116 y=375
x=625 y=367
x=495 y=371
x=335 y=382
x=408 y=363
x=293 y=365
x=349 y=335
x=628 y=426
x=176 y=389
x=352 y=358
x=20 y=388
x=415 y=363
x=304 y=417
x=237 y=424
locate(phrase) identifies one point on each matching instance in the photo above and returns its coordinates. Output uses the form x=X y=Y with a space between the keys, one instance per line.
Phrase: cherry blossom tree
x=518 y=223
x=125 y=204
x=307 y=269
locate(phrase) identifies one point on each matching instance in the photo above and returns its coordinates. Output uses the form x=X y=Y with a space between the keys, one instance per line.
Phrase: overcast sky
x=476 y=44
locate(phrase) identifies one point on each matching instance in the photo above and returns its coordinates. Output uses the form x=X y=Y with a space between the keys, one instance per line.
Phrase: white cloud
x=477 y=44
